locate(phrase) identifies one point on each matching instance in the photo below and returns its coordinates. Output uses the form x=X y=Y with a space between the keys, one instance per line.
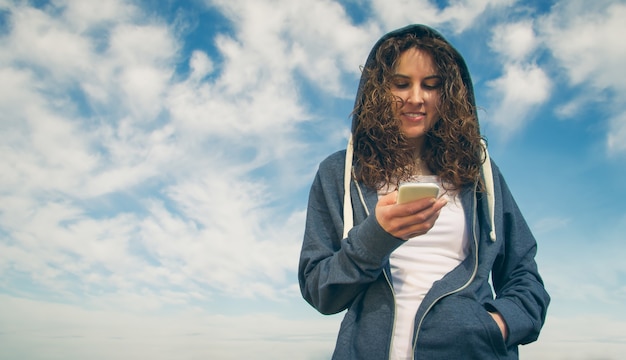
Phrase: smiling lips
x=414 y=116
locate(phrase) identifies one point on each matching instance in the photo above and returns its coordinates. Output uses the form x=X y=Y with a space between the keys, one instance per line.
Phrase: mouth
x=415 y=116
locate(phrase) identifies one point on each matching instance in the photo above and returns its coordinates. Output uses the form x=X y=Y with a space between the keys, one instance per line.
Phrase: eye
x=432 y=83
x=400 y=82
x=400 y=85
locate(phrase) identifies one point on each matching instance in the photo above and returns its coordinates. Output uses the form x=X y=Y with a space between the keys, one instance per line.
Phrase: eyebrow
x=429 y=77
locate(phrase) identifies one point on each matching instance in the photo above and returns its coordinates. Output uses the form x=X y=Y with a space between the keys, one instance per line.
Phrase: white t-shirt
x=421 y=261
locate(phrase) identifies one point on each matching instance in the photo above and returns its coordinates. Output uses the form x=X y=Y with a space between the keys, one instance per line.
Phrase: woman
x=415 y=277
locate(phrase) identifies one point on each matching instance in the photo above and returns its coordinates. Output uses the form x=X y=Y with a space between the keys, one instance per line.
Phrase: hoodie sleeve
x=334 y=271
x=520 y=294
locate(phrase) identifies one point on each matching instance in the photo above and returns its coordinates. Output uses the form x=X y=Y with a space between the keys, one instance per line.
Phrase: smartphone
x=413 y=191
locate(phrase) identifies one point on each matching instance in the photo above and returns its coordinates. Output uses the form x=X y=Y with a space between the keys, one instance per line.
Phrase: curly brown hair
x=452 y=148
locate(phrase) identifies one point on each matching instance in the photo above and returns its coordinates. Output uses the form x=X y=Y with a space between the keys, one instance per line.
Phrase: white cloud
x=459 y=15
x=514 y=41
x=516 y=96
x=586 y=40
x=617 y=135
x=141 y=187
x=462 y=14
x=580 y=337
x=43 y=149
x=398 y=13
x=288 y=35
x=41 y=330
x=137 y=58
x=324 y=53
x=39 y=40
x=84 y=15
x=142 y=77
x=48 y=60
x=200 y=64
x=523 y=86
x=550 y=224
x=572 y=107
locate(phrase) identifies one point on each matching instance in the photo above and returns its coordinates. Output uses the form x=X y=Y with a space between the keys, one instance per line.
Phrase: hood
x=421 y=31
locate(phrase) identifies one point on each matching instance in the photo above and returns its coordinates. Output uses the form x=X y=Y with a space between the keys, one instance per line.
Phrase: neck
x=417 y=144
x=421 y=168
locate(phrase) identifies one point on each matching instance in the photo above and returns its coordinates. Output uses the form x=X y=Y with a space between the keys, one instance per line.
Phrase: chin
x=413 y=135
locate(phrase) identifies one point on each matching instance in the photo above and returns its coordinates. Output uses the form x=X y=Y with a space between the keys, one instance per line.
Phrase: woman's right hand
x=408 y=220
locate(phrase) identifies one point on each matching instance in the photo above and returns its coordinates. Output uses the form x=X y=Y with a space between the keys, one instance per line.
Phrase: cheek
x=398 y=96
x=397 y=105
x=433 y=105
x=433 y=98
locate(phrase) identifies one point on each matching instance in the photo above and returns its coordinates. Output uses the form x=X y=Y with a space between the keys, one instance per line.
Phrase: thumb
x=389 y=199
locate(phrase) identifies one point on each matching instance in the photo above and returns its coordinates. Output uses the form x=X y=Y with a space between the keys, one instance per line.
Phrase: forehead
x=415 y=59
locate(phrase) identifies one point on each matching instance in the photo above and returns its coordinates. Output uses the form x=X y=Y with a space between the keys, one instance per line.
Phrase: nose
x=415 y=95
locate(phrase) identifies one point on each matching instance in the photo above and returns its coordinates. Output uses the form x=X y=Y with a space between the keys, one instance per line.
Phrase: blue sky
x=156 y=158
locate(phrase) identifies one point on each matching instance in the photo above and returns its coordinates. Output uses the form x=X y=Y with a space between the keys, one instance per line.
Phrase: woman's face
x=418 y=85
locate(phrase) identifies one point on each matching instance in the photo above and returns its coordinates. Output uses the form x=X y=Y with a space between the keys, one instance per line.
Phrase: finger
x=415 y=207
x=420 y=224
x=388 y=199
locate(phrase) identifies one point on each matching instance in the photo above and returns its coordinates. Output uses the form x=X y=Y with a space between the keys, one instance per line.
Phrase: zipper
x=469 y=281
x=393 y=322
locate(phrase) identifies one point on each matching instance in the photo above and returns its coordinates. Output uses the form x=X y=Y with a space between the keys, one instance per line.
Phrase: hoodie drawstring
x=489 y=188
x=348 y=220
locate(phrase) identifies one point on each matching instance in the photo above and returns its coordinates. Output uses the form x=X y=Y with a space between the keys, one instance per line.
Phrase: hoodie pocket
x=460 y=328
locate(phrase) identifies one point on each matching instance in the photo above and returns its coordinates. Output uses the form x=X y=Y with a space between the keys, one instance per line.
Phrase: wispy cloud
x=583 y=337
x=586 y=42
x=518 y=93
x=523 y=86
x=189 y=335
x=458 y=16
x=102 y=117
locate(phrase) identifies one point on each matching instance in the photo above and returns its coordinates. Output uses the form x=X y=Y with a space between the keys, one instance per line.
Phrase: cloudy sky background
x=155 y=160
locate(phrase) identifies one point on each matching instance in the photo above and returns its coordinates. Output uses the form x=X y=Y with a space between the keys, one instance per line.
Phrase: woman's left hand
x=501 y=324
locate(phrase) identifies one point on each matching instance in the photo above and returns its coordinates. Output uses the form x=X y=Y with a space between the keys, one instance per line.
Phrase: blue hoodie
x=344 y=265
